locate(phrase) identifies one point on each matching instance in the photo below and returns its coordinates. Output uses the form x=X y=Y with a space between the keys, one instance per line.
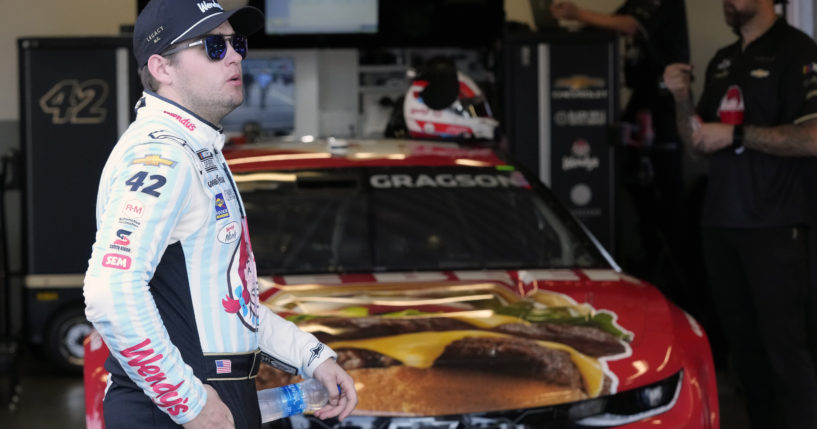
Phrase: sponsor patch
x=215 y=181
x=580 y=157
x=117 y=261
x=122 y=241
x=154 y=161
x=581 y=194
x=580 y=118
x=732 y=108
x=122 y=237
x=221 y=207
x=186 y=122
x=315 y=352
x=133 y=209
x=229 y=234
x=145 y=361
x=207 y=160
x=759 y=73
x=579 y=87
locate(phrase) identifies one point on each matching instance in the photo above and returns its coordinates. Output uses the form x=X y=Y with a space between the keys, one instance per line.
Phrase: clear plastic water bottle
x=285 y=401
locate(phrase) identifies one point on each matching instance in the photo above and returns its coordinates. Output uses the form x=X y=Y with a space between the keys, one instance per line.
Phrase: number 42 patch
x=137 y=183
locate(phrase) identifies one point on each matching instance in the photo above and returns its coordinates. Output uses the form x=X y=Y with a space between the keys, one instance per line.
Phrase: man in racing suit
x=171 y=283
x=757 y=124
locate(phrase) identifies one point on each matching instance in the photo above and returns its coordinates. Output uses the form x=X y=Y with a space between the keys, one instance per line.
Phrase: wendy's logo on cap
x=207 y=5
x=163 y=23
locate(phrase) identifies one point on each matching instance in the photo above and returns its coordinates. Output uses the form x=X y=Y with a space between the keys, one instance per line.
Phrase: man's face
x=211 y=89
x=739 y=12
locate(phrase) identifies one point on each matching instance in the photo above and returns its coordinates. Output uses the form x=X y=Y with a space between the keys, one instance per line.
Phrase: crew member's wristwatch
x=737 y=139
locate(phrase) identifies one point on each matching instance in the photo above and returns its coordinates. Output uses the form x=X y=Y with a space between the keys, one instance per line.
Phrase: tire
x=64 y=339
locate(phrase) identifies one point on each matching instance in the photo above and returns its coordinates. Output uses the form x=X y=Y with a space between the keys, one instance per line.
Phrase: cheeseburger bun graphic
x=446 y=350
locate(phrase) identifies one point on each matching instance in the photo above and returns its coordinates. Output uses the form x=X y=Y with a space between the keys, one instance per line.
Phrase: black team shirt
x=772 y=82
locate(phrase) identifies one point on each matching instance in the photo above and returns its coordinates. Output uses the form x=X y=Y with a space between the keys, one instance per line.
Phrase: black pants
x=759 y=279
x=126 y=406
x=653 y=178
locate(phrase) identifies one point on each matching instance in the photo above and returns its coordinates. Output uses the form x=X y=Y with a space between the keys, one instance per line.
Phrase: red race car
x=458 y=292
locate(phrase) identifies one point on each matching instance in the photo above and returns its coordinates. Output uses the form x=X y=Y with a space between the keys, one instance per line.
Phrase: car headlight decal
x=637 y=404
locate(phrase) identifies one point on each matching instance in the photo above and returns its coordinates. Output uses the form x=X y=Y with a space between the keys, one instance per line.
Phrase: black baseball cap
x=165 y=22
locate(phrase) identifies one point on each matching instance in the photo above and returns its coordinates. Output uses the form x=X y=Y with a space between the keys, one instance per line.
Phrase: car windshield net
x=377 y=219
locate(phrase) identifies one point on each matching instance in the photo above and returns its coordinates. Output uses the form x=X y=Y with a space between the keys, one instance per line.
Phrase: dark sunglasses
x=215 y=45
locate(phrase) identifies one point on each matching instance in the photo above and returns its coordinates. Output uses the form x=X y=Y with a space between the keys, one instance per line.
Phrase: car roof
x=340 y=153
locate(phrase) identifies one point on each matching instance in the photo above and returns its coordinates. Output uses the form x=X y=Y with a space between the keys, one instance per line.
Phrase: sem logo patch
x=221 y=207
x=114 y=260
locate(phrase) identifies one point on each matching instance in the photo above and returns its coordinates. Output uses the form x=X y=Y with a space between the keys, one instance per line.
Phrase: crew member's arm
x=624 y=24
x=783 y=140
x=797 y=93
x=677 y=77
x=145 y=194
x=288 y=344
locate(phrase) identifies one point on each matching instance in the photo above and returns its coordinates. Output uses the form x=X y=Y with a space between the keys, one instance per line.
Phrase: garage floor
x=48 y=399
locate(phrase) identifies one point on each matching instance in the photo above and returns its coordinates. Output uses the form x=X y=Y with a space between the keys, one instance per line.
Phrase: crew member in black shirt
x=757 y=122
x=656 y=35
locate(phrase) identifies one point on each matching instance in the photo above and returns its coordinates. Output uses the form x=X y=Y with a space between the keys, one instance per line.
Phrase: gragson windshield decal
x=448 y=180
x=452 y=349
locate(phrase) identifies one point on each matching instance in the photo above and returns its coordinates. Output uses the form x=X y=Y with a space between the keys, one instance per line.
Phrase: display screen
x=269 y=96
x=291 y=17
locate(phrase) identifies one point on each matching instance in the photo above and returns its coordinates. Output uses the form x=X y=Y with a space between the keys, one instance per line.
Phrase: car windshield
x=377 y=219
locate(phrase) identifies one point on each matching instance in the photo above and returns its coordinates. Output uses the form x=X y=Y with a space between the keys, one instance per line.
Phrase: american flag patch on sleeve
x=223 y=366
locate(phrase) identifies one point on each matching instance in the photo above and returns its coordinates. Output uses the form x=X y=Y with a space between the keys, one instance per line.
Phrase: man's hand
x=677 y=77
x=712 y=136
x=340 y=404
x=214 y=415
x=565 y=10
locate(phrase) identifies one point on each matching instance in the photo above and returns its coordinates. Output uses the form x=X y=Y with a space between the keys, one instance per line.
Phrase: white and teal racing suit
x=171 y=284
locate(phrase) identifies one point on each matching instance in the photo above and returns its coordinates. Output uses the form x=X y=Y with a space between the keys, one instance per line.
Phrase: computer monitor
x=293 y=17
x=269 y=96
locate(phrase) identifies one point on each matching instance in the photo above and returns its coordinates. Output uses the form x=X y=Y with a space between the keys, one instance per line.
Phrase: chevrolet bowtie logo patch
x=155 y=161
x=759 y=73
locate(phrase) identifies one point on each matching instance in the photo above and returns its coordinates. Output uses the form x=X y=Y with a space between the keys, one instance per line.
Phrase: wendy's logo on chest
x=242 y=284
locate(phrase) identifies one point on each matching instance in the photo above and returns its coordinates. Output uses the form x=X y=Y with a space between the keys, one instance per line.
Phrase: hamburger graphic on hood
x=456 y=348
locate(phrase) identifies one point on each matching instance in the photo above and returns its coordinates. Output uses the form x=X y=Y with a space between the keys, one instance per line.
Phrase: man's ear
x=159 y=68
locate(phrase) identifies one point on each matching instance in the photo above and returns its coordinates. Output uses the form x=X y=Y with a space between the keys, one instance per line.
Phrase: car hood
x=440 y=343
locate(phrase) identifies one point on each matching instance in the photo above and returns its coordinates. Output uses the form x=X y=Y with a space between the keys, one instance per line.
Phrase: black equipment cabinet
x=561 y=98
x=76 y=99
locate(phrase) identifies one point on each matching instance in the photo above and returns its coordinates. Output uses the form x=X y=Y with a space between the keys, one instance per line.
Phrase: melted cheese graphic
x=420 y=350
